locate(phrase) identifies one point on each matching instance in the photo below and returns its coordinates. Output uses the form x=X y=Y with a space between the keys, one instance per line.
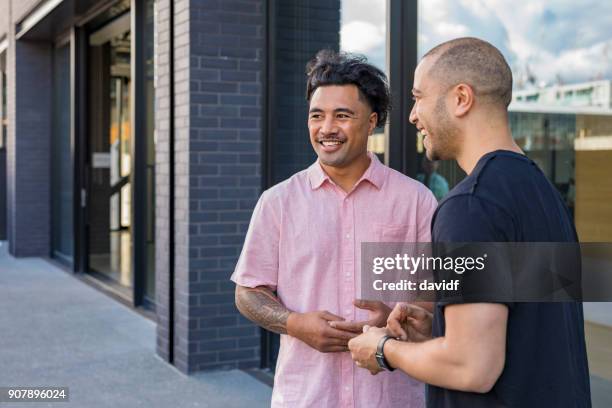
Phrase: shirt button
x=348 y=236
x=347 y=388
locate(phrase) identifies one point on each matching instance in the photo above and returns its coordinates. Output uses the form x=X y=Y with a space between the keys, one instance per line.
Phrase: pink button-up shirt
x=304 y=241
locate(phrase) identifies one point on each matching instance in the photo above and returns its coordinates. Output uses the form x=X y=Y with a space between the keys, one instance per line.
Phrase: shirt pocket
x=395 y=232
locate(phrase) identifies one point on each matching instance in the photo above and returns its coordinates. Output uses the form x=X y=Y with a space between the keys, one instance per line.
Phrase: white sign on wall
x=101 y=160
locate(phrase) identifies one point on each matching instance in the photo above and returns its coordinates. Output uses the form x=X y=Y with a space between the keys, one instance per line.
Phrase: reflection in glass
x=3 y=115
x=110 y=236
x=149 y=100
x=3 y=136
x=363 y=30
x=561 y=113
x=432 y=179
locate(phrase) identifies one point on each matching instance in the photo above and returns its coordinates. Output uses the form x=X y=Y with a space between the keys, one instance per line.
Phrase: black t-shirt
x=507 y=198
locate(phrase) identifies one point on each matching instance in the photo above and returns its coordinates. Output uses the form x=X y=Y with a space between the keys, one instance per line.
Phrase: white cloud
x=576 y=65
x=550 y=37
x=477 y=7
x=432 y=10
x=451 y=30
x=361 y=37
x=363 y=29
x=371 y=11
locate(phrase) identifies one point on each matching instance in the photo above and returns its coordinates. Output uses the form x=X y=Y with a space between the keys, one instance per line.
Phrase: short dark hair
x=475 y=62
x=340 y=68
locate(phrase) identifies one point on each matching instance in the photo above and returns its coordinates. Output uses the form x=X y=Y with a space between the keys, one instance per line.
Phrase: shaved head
x=473 y=62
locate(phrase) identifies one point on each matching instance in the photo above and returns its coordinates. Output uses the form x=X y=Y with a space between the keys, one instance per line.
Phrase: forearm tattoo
x=261 y=306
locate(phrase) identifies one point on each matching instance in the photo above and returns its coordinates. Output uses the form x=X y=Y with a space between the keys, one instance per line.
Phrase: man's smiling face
x=431 y=116
x=339 y=122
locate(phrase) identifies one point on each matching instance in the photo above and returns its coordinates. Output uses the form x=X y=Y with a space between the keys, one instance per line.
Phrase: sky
x=545 y=42
x=363 y=29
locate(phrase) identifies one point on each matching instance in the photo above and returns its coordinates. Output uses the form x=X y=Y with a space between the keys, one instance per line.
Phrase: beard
x=444 y=145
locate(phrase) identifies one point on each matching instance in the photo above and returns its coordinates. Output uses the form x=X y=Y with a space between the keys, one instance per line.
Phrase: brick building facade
x=140 y=134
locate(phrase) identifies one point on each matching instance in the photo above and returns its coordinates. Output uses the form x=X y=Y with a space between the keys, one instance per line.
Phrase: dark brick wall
x=218 y=48
x=29 y=138
x=162 y=176
x=182 y=280
x=303 y=27
x=225 y=104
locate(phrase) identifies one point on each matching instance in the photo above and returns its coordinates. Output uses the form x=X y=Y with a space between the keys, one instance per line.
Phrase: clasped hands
x=407 y=322
x=329 y=333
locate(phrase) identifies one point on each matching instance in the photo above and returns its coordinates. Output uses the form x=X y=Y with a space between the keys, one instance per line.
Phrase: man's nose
x=328 y=127
x=413 y=117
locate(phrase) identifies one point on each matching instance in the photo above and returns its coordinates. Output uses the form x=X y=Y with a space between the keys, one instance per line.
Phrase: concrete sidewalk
x=57 y=331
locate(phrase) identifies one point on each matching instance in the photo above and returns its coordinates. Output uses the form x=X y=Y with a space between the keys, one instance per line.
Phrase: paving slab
x=55 y=330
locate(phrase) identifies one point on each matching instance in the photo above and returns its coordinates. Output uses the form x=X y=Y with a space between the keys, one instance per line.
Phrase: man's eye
x=342 y=116
x=315 y=116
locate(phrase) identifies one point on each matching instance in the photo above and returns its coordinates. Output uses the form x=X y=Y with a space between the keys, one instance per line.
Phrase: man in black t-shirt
x=485 y=353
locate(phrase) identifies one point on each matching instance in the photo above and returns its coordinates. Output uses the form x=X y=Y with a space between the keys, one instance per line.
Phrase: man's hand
x=363 y=348
x=314 y=329
x=409 y=322
x=377 y=316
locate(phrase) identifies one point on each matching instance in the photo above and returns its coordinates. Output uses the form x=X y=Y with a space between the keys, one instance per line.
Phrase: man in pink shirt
x=299 y=271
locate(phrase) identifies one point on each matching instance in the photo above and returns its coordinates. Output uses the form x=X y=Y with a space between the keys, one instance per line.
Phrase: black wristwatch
x=380 y=355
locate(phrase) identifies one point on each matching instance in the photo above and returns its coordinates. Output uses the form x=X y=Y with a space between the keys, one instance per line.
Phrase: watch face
x=380 y=361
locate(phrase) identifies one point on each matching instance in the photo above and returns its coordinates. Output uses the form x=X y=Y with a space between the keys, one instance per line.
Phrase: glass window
x=561 y=114
x=3 y=114
x=110 y=145
x=3 y=138
x=149 y=102
x=363 y=30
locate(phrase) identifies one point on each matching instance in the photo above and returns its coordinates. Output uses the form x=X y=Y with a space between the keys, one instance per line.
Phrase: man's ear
x=463 y=99
x=372 y=122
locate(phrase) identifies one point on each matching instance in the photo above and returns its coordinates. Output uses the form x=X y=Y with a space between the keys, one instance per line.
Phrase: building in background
x=139 y=134
x=594 y=94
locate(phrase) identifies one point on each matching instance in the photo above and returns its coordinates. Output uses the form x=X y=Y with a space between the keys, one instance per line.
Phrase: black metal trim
x=116 y=188
x=268 y=87
x=402 y=59
x=138 y=148
x=79 y=90
x=94 y=12
x=269 y=118
x=171 y=240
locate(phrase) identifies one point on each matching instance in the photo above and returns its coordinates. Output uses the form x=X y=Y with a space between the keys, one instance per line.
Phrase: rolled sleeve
x=258 y=262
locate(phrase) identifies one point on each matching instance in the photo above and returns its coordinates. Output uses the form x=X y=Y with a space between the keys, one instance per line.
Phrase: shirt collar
x=375 y=173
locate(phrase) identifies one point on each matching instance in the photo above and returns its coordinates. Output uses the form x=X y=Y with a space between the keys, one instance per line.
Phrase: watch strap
x=380 y=355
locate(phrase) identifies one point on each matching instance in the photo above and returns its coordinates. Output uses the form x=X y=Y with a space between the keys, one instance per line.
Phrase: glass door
x=119 y=164
x=3 y=135
x=110 y=155
x=120 y=168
